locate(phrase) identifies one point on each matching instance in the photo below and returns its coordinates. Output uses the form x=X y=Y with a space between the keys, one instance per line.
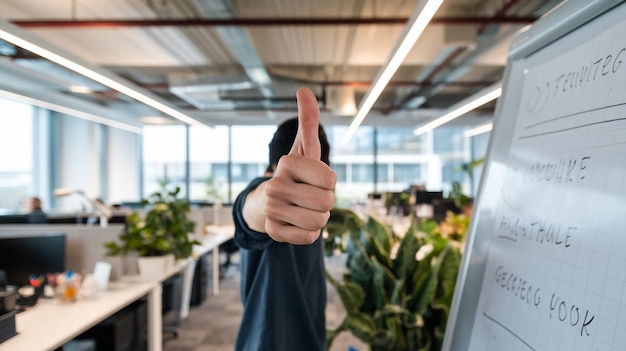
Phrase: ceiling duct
x=342 y=101
x=204 y=93
x=7 y=49
x=239 y=43
x=61 y=74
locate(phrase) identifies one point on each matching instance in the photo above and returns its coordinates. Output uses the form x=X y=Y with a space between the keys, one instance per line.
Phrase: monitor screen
x=427 y=197
x=23 y=255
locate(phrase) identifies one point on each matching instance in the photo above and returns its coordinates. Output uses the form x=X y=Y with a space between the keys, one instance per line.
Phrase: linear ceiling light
x=71 y=111
x=98 y=77
x=482 y=97
x=478 y=130
x=420 y=18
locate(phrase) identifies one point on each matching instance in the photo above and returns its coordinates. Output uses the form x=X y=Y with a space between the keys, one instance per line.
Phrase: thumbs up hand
x=307 y=141
x=299 y=197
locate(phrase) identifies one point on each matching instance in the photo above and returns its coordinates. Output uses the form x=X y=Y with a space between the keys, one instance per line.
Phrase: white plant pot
x=152 y=267
x=169 y=261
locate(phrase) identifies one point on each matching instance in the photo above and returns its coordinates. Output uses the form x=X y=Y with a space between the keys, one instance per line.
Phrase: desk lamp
x=104 y=212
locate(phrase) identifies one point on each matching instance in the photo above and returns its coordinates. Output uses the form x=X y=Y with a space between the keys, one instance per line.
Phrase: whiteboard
x=544 y=266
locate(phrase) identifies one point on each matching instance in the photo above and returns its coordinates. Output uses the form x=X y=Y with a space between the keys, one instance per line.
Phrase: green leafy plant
x=164 y=229
x=398 y=288
x=456 y=193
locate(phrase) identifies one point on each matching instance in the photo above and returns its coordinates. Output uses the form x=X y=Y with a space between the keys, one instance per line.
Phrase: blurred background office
x=62 y=129
x=120 y=166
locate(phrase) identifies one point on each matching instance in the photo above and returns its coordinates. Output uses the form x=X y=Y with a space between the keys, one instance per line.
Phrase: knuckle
x=321 y=220
x=271 y=188
x=311 y=236
x=328 y=202
x=286 y=161
x=273 y=230
x=269 y=213
x=330 y=179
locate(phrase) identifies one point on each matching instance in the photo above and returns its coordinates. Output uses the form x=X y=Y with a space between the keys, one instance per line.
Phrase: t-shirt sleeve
x=244 y=236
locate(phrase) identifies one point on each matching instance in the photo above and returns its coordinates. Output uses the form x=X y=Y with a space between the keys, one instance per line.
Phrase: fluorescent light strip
x=478 y=130
x=111 y=83
x=71 y=112
x=424 y=15
x=465 y=106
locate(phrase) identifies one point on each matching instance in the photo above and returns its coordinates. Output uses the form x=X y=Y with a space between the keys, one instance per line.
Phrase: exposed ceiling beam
x=364 y=84
x=427 y=81
x=501 y=12
x=256 y=22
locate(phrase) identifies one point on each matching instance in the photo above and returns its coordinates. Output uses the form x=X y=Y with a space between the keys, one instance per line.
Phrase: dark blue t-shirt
x=283 y=290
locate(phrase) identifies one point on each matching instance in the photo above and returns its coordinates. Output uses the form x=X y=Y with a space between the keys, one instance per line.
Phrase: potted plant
x=160 y=235
x=398 y=288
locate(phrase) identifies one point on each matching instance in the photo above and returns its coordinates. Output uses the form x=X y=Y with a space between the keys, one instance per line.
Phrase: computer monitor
x=427 y=197
x=442 y=207
x=24 y=254
x=14 y=219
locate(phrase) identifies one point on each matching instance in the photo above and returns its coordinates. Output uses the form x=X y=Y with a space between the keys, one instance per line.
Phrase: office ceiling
x=240 y=61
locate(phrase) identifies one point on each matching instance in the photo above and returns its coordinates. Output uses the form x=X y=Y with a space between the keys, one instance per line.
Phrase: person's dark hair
x=35 y=203
x=269 y=170
x=286 y=134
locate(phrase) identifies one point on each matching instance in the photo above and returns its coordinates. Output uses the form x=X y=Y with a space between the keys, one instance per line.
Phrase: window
x=164 y=154
x=382 y=172
x=399 y=141
x=353 y=162
x=208 y=162
x=407 y=174
x=341 y=171
x=250 y=154
x=363 y=173
x=453 y=149
x=16 y=158
x=402 y=159
x=361 y=143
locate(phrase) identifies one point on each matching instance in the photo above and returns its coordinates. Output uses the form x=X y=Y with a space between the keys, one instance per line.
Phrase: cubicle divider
x=84 y=245
x=213 y=215
x=141 y=304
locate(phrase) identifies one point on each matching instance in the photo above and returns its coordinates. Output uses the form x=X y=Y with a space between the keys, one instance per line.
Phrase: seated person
x=35 y=214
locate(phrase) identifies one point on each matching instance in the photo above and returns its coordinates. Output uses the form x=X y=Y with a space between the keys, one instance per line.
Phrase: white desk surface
x=51 y=323
x=216 y=236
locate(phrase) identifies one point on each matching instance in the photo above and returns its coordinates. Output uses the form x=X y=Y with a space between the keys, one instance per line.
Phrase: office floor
x=213 y=325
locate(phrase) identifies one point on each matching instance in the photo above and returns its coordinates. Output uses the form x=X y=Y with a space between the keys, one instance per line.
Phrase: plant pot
x=170 y=260
x=130 y=267
x=152 y=267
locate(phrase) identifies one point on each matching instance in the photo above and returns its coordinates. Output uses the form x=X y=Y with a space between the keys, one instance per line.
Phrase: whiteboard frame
x=567 y=17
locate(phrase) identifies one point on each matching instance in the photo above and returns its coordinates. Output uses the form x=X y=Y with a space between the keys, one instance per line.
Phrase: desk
x=218 y=234
x=51 y=323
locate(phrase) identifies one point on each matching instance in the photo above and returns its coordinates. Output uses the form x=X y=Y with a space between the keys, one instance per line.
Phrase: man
x=35 y=213
x=278 y=223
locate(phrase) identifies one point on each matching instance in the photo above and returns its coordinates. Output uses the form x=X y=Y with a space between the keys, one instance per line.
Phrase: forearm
x=253 y=212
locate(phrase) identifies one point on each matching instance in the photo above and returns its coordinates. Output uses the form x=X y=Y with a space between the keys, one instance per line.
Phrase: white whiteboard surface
x=544 y=267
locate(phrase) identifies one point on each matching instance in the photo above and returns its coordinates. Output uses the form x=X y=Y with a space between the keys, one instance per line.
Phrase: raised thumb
x=307 y=142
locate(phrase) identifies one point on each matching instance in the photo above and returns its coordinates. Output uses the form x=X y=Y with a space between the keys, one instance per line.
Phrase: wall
x=123 y=161
x=101 y=161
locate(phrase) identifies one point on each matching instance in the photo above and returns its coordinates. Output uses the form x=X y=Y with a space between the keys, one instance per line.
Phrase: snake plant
x=398 y=288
